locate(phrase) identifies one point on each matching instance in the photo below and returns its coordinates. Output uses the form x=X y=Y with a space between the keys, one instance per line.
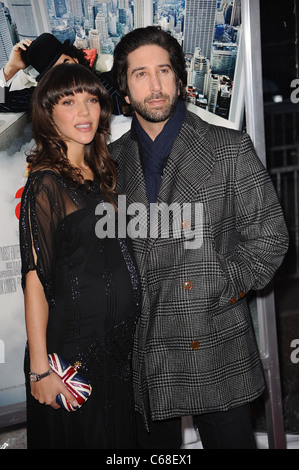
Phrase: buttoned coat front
x=195 y=348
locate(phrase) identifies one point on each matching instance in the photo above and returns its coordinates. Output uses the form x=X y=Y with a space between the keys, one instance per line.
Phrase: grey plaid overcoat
x=195 y=349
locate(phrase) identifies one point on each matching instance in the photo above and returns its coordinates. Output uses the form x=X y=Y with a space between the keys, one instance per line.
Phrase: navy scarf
x=154 y=154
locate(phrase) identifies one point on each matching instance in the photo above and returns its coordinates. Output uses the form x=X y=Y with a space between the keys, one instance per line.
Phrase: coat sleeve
x=16 y=101
x=262 y=232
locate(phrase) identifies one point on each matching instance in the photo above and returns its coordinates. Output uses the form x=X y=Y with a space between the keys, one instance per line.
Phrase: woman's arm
x=36 y=315
x=38 y=222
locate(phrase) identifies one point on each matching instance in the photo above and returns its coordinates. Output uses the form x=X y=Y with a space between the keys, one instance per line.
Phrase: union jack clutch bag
x=75 y=382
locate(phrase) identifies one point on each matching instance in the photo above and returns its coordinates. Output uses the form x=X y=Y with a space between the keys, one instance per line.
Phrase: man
x=30 y=60
x=195 y=349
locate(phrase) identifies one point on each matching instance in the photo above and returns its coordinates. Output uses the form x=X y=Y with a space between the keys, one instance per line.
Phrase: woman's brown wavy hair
x=50 y=149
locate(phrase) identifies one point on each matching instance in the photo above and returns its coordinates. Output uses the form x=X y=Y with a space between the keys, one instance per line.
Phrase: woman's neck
x=76 y=158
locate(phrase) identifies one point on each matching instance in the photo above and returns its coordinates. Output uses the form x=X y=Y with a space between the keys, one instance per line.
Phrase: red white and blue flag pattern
x=76 y=384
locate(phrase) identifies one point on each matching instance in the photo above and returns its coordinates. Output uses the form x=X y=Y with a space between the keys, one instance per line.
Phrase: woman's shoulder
x=44 y=174
x=43 y=171
x=44 y=180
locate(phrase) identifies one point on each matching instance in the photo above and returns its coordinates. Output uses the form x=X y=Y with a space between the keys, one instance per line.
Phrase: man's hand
x=15 y=62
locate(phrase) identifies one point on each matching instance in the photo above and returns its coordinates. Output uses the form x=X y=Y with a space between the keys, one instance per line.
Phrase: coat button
x=233 y=300
x=241 y=295
x=186 y=224
x=194 y=344
x=188 y=285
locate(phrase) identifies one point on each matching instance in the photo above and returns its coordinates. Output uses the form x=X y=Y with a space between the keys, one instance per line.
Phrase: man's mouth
x=159 y=101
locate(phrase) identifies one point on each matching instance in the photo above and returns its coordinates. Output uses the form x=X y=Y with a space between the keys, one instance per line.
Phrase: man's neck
x=153 y=129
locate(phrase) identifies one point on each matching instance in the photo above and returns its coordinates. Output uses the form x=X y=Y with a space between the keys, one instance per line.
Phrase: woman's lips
x=84 y=126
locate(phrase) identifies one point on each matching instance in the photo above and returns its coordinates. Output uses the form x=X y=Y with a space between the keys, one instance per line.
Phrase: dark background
x=279 y=38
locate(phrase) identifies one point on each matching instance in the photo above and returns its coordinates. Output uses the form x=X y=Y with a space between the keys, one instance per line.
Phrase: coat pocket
x=232 y=322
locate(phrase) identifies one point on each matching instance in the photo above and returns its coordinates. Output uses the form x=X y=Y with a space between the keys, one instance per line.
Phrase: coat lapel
x=130 y=174
x=131 y=183
x=189 y=166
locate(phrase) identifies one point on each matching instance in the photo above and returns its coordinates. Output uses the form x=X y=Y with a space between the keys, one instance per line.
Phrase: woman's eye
x=94 y=100
x=67 y=102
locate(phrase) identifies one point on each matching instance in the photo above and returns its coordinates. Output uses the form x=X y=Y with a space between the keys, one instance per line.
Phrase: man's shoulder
x=217 y=135
x=118 y=145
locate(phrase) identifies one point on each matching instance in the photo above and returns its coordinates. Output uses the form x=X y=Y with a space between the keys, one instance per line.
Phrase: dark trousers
x=220 y=430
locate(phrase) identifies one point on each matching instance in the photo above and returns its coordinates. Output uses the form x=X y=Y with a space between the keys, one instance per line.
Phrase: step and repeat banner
x=12 y=322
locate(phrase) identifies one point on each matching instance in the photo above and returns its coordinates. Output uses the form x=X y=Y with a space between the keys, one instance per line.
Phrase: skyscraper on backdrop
x=31 y=17
x=143 y=13
x=6 y=39
x=199 y=26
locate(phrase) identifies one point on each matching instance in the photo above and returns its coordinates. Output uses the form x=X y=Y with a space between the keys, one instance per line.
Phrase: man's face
x=153 y=89
x=66 y=59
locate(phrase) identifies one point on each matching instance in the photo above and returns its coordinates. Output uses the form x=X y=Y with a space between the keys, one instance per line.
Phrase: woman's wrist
x=40 y=364
x=34 y=377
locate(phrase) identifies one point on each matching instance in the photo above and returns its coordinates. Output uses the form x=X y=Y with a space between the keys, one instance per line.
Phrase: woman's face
x=77 y=118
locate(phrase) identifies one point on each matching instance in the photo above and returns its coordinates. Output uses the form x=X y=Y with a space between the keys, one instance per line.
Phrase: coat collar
x=189 y=165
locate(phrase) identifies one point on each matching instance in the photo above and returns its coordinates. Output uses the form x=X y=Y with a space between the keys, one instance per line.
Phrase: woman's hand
x=37 y=313
x=46 y=390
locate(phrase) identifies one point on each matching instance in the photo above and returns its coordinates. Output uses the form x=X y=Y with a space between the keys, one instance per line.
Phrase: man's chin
x=157 y=115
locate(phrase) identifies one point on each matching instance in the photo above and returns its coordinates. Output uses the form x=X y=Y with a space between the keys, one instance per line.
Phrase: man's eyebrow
x=139 y=69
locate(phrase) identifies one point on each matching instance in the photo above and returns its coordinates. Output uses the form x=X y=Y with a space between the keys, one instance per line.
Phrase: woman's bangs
x=72 y=84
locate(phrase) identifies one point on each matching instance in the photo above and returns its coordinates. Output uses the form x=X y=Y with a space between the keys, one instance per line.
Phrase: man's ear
x=127 y=99
x=179 y=87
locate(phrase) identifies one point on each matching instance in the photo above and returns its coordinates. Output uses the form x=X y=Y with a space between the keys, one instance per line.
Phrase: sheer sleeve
x=42 y=208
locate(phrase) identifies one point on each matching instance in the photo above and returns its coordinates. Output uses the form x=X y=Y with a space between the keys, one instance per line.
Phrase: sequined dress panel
x=92 y=288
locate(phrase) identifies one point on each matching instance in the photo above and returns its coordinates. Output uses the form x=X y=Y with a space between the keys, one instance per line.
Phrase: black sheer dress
x=92 y=289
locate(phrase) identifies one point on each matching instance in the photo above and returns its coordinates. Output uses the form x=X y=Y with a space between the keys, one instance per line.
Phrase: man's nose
x=155 y=82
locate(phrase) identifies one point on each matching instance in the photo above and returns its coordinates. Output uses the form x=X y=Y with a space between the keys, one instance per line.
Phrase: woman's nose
x=83 y=109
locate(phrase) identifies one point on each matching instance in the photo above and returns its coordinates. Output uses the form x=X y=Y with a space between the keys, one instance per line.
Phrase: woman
x=81 y=292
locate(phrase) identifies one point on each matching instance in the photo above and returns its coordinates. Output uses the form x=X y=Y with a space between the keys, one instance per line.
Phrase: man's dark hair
x=149 y=36
x=73 y=51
